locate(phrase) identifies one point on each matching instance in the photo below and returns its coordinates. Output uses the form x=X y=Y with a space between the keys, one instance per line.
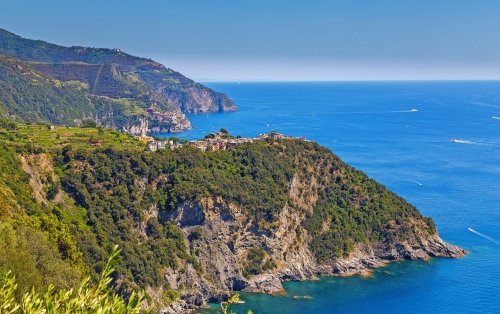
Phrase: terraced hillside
x=173 y=90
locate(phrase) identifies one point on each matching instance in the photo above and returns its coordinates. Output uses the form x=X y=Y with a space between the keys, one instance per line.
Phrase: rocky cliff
x=185 y=94
x=227 y=237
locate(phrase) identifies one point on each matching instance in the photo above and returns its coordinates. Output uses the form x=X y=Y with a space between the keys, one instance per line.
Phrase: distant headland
x=42 y=82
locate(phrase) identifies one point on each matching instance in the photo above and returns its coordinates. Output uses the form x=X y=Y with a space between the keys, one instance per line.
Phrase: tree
x=8 y=124
x=174 y=139
x=224 y=130
x=89 y=124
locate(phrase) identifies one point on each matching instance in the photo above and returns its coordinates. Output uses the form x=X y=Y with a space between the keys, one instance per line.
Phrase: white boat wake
x=473 y=143
x=417 y=183
x=462 y=141
x=412 y=110
x=482 y=235
x=498 y=118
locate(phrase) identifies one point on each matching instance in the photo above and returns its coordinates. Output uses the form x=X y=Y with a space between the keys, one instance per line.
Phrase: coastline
x=297 y=292
x=221 y=256
x=446 y=191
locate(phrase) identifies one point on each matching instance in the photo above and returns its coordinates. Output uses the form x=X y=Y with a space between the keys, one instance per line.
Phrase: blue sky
x=280 y=40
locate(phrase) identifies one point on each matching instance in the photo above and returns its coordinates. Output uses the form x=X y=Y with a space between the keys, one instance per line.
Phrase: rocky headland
x=224 y=237
x=194 y=226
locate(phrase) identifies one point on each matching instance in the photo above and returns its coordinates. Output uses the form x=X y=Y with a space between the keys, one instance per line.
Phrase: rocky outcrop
x=138 y=127
x=377 y=255
x=185 y=94
x=228 y=235
x=198 y=99
x=223 y=244
x=40 y=169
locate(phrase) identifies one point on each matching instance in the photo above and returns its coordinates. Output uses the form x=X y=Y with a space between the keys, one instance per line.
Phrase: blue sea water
x=371 y=126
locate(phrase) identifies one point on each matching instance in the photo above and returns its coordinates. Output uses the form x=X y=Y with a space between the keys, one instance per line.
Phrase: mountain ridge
x=127 y=83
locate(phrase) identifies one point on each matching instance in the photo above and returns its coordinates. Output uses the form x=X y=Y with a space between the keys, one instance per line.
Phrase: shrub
x=88 y=298
x=197 y=233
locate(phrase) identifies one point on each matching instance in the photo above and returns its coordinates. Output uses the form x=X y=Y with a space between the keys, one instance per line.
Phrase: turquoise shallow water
x=370 y=125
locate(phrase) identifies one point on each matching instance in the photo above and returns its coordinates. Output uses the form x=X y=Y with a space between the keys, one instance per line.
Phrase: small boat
x=454 y=140
x=414 y=110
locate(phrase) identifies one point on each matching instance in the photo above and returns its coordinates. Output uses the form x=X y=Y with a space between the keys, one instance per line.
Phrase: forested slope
x=193 y=225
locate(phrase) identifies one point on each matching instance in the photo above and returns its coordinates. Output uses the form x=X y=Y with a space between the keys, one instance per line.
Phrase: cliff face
x=227 y=237
x=143 y=125
x=185 y=94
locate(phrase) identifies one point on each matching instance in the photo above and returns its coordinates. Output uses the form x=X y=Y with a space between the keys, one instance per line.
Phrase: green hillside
x=27 y=95
x=78 y=192
x=115 y=74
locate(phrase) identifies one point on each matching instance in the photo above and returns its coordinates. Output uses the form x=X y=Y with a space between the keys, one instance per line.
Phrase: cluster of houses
x=217 y=143
x=214 y=142
x=152 y=145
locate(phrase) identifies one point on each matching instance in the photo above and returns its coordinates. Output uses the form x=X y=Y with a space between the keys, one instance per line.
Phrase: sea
x=435 y=143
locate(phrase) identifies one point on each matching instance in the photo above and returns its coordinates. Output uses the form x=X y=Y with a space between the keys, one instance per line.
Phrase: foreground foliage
x=27 y=254
x=233 y=299
x=87 y=298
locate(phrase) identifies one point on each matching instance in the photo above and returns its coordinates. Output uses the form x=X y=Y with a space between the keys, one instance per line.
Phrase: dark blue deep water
x=370 y=125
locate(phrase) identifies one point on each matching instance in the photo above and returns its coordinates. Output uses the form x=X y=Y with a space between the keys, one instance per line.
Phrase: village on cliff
x=213 y=142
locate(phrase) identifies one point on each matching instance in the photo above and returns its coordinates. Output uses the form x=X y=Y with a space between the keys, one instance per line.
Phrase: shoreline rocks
x=227 y=236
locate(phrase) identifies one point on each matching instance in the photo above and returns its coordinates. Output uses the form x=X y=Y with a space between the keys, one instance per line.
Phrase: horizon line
x=206 y=80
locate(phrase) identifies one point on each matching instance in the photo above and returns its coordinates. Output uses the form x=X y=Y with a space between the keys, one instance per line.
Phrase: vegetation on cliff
x=100 y=189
